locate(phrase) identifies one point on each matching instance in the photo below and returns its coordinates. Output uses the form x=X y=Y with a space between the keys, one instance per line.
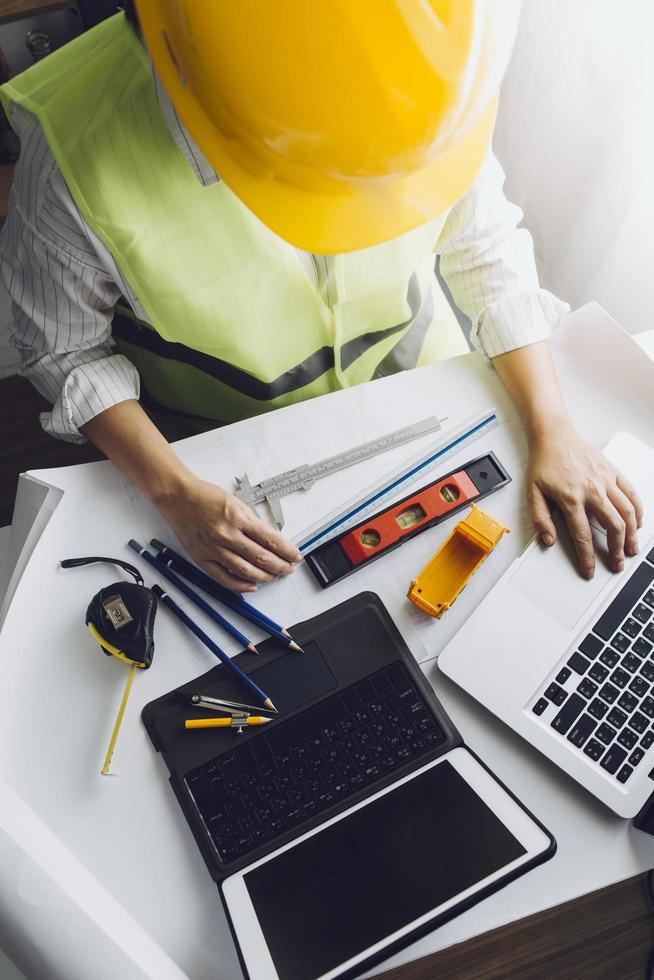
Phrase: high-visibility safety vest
x=236 y=325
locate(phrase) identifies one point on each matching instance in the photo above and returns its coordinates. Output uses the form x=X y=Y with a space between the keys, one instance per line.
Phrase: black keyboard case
x=342 y=646
x=355 y=639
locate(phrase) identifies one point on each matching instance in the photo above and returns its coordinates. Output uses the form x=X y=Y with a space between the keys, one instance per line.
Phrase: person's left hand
x=580 y=480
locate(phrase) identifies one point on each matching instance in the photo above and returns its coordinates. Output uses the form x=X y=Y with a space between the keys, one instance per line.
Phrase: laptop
x=569 y=664
x=358 y=820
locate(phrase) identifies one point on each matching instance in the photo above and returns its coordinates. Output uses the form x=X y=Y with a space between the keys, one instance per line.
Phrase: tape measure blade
x=367 y=502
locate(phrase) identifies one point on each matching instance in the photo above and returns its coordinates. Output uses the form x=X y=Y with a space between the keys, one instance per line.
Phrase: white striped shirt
x=64 y=283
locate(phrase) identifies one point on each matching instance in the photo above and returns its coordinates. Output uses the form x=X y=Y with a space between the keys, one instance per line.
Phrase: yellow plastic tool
x=449 y=571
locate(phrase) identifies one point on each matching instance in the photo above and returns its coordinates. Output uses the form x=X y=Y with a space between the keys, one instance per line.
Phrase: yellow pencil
x=225 y=722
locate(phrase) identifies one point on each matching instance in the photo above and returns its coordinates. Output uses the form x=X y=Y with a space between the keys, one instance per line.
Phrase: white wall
x=7 y=969
x=575 y=136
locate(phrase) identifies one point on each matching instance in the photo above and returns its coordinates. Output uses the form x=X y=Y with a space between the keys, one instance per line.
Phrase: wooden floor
x=604 y=936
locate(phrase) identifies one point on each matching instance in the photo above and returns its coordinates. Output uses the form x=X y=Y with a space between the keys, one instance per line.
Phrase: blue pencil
x=219 y=592
x=159 y=566
x=210 y=645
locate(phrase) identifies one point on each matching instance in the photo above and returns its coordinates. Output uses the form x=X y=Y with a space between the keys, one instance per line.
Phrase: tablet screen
x=330 y=897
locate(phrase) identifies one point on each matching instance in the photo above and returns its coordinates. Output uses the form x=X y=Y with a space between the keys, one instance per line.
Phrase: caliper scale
x=303 y=477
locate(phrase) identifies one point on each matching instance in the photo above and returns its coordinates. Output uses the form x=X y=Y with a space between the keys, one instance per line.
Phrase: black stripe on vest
x=125 y=328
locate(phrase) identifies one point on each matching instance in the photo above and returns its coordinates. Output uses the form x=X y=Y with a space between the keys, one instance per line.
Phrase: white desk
x=58 y=695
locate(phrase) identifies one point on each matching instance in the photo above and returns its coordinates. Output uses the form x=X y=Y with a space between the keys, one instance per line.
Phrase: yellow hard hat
x=339 y=123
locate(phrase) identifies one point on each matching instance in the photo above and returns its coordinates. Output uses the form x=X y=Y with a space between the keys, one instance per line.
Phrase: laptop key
x=642 y=646
x=598 y=673
x=649 y=598
x=610 y=657
x=642 y=613
x=382 y=684
x=647 y=671
x=647 y=707
x=594 y=749
x=627 y=701
x=639 y=686
x=620 y=642
x=648 y=632
x=403 y=695
x=540 y=706
x=563 y=675
x=616 y=718
x=587 y=688
x=556 y=694
x=227 y=853
x=609 y=693
x=417 y=708
x=377 y=709
x=636 y=756
x=579 y=663
x=581 y=729
x=638 y=722
x=591 y=646
x=627 y=738
x=605 y=733
x=397 y=674
x=351 y=699
x=597 y=708
x=618 y=610
x=366 y=691
x=620 y=677
x=631 y=628
x=630 y=662
x=613 y=759
x=568 y=713
x=624 y=774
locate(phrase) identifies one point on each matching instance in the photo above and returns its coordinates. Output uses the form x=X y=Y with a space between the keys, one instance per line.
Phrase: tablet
x=381 y=873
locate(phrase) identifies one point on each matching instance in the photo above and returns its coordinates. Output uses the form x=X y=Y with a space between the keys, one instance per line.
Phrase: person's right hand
x=226 y=539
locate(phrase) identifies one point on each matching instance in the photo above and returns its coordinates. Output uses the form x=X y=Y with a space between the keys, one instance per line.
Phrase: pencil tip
x=251 y=647
x=268 y=703
x=286 y=633
x=294 y=646
x=265 y=721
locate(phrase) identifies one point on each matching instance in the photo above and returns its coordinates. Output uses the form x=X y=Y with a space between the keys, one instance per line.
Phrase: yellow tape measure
x=125 y=612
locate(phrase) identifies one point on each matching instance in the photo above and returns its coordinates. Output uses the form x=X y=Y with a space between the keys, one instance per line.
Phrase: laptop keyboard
x=279 y=781
x=604 y=694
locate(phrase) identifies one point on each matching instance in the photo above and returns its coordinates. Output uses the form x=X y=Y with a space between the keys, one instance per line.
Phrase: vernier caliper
x=303 y=477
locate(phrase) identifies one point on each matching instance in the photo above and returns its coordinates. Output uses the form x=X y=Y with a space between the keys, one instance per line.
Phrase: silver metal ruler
x=303 y=477
x=367 y=501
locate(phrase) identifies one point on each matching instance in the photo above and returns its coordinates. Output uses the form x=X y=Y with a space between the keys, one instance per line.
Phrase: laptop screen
x=363 y=878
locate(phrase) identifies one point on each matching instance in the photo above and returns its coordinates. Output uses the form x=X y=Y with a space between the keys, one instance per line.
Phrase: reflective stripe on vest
x=237 y=325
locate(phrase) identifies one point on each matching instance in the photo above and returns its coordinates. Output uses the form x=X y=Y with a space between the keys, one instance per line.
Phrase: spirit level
x=366 y=503
x=382 y=532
